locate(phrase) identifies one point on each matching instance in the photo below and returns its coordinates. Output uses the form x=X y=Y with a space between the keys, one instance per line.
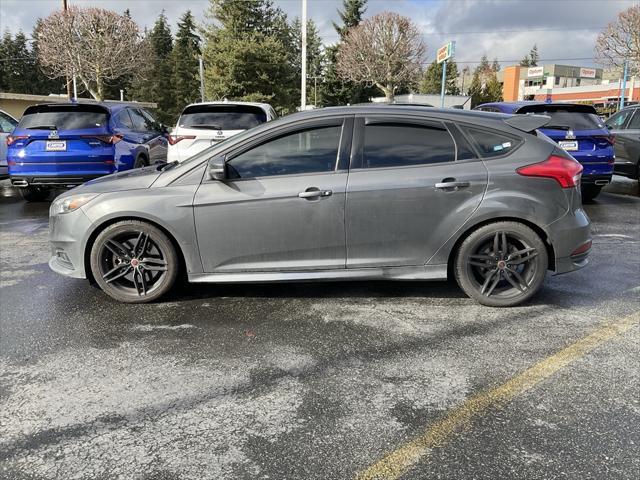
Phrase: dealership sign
x=445 y=52
x=588 y=73
x=535 y=72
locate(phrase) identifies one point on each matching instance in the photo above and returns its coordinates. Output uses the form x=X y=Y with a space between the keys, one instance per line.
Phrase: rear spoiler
x=527 y=123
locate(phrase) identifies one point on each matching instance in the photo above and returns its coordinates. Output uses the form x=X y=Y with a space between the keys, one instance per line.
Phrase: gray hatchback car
x=346 y=193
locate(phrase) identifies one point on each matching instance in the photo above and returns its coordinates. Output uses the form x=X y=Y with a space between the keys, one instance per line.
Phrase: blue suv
x=579 y=131
x=66 y=144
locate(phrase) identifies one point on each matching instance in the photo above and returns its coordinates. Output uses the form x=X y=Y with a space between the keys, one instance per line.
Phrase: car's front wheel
x=501 y=264
x=34 y=194
x=134 y=262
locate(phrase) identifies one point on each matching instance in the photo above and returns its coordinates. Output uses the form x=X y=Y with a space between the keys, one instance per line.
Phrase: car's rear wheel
x=34 y=194
x=134 y=262
x=589 y=192
x=501 y=264
x=141 y=161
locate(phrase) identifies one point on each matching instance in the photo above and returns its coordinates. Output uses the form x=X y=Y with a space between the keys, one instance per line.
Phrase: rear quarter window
x=491 y=143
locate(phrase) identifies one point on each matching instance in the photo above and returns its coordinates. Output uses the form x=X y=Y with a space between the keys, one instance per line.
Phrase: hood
x=117 y=182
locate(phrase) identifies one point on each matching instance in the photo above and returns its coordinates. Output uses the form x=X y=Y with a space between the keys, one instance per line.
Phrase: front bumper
x=68 y=235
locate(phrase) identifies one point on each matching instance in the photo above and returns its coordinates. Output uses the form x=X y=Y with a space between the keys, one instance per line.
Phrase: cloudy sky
x=564 y=30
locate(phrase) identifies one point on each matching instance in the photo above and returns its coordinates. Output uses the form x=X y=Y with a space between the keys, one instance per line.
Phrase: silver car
x=7 y=124
x=347 y=193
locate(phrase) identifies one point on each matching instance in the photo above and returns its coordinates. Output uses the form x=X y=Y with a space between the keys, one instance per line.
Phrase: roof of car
x=111 y=106
x=513 y=107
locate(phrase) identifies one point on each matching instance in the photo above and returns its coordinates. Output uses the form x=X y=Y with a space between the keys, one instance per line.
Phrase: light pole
x=303 y=86
x=624 y=83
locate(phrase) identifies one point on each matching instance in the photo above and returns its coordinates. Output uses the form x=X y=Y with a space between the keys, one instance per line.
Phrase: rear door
x=203 y=125
x=7 y=124
x=411 y=186
x=148 y=132
x=625 y=125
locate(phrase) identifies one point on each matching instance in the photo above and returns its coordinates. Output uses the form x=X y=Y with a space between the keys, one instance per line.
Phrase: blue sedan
x=579 y=131
x=62 y=145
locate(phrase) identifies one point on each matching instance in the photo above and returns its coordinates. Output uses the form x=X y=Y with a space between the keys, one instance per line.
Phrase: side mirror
x=217 y=168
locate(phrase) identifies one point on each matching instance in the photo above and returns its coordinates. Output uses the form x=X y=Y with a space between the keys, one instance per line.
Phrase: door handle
x=446 y=185
x=314 y=192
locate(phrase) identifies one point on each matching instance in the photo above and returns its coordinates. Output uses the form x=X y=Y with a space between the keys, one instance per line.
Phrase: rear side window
x=222 y=117
x=140 y=123
x=123 y=120
x=400 y=145
x=635 y=121
x=491 y=143
x=64 y=118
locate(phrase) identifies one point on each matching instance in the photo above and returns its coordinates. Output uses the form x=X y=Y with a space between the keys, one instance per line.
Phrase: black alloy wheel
x=501 y=264
x=134 y=262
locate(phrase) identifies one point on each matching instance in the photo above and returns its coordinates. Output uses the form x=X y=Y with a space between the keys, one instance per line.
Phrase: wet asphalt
x=313 y=381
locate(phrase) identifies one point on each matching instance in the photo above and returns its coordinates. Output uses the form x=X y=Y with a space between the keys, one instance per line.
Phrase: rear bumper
x=4 y=172
x=567 y=235
x=600 y=180
x=50 y=180
x=626 y=169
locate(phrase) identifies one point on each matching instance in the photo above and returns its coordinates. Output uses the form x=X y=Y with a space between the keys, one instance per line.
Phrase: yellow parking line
x=397 y=462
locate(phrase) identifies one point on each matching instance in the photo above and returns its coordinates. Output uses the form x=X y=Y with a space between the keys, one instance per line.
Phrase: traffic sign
x=445 y=52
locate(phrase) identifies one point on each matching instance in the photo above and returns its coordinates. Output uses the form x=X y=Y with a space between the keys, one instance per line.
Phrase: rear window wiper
x=42 y=127
x=556 y=127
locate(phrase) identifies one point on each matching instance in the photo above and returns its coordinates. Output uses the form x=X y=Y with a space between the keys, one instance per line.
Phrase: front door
x=410 y=188
x=282 y=207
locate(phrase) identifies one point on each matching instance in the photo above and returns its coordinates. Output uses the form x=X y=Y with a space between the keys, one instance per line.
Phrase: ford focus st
x=390 y=193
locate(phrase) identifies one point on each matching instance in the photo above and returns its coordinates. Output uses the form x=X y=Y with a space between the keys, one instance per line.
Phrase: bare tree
x=620 y=40
x=386 y=50
x=94 y=44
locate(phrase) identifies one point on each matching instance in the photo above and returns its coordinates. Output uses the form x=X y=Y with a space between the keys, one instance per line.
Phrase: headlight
x=71 y=203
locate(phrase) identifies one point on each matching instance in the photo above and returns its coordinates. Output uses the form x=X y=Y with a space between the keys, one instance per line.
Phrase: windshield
x=222 y=117
x=63 y=118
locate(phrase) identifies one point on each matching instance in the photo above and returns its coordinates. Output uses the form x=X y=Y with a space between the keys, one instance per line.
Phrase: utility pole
x=65 y=7
x=201 y=63
x=624 y=83
x=444 y=80
x=303 y=87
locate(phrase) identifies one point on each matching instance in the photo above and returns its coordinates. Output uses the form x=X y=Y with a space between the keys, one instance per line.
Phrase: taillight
x=565 y=171
x=173 y=139
x=110 y=139
x=584 y=248
x=610 y=139
x=12 y=139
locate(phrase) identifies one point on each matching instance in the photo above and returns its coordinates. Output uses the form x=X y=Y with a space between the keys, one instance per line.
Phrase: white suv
x=204 y=124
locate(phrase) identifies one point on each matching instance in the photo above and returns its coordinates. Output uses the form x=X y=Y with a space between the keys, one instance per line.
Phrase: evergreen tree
x=485 y=86
x=495 y=66
x=335 y=91
x=248 y=53
x=314 y=57
x=186 y=52
x=17 y=65
x=531 y=59
x=432 y=79
x=157 y=83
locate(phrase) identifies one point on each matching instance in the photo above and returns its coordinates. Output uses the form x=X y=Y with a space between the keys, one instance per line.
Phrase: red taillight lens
x=610 y=139
x=565 y=171
x=585 y=247
x=111 y=139
x=173 y=139
x=12 y=139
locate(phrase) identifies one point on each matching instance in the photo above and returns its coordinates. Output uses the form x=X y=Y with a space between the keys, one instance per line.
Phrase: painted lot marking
x=397 y=462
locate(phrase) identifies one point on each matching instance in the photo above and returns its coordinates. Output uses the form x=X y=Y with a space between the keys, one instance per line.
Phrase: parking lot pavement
x=321 y=381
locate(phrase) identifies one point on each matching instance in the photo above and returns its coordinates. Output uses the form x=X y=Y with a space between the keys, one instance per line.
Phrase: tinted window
x=491 y=143
x=151 y=122
x=308 y=151
x=140 y=123
x=7 y=123
x=123 y=120
x=64 y=118
x=635 y=121
x=397 y=145
x=617 y=121
x=563 y=120
x=223 y=117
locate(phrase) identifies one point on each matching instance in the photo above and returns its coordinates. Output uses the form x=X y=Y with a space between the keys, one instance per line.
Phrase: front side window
x=490 y=143
x=308 y=151
x=617 y=121
x=400 y=145
x=7 y=124
x=634 y=124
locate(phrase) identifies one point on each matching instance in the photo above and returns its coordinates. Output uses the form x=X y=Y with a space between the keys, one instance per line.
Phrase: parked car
x=579 y=131
x=204 y=124
x=388 y=193
x=62 y=145
x=625 y=125
x=7 y=124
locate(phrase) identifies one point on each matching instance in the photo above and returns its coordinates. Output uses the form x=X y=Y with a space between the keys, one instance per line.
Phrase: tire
x=34 y=194
x=589 y=192
x=494 y=278
x=134 y=262
x=141 y=161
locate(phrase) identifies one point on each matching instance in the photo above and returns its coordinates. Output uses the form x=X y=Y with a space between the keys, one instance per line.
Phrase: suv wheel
x=134 y=262
x=141 y=161
x=34 y=194
x=501 y=264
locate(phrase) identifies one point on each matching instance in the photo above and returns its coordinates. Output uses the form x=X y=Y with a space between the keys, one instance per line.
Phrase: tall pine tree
x=335 y=91
x=432 y=79
x=186 y=51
